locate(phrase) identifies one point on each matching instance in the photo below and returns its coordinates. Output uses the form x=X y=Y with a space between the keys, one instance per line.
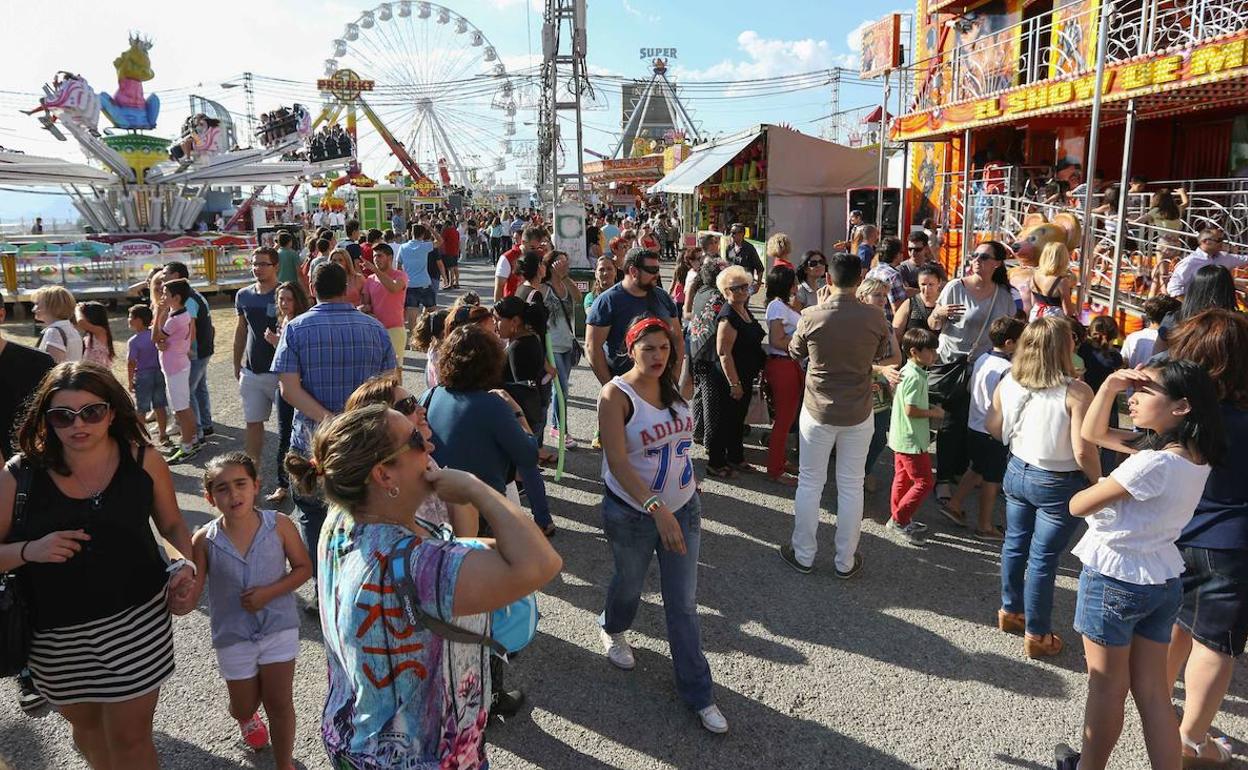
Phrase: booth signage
x=136 y=248
x=569 y=234
x=1207 y=63
x=657 y=53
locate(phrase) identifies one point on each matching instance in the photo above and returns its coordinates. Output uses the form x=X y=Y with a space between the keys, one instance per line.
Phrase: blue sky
x=289 y=40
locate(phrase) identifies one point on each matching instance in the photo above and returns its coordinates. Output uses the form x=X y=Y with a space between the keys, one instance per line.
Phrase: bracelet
x=22 y=553
x=652 y=504
x=179 y=564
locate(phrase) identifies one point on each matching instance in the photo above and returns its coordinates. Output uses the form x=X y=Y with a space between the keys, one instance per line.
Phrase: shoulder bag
x=14 y=604
x=951 y=380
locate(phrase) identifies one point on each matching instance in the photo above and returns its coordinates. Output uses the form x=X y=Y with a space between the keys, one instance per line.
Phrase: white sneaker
x=617 y=649
x=713 y=719
x=568 y=443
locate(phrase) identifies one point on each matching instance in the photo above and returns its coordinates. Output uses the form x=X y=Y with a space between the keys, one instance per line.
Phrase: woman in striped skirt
x=100 y=592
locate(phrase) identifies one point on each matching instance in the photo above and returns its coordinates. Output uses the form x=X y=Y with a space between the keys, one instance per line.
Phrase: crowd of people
x=981 y=396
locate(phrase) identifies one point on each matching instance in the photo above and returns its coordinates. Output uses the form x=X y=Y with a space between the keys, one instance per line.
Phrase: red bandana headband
x=643 y=327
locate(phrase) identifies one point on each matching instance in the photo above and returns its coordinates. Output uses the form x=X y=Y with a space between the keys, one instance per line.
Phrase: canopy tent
x=703 y=163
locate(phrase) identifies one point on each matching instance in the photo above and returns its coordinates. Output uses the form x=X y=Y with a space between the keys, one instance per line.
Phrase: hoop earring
x=393 y=492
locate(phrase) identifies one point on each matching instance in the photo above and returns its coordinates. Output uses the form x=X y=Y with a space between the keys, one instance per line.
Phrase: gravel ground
x=900 y=667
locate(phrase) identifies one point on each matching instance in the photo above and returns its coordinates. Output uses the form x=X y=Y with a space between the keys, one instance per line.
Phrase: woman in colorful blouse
x=400 y=696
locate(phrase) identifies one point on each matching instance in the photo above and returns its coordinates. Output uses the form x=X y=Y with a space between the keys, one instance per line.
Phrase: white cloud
x=652 y=18
x=769 y=57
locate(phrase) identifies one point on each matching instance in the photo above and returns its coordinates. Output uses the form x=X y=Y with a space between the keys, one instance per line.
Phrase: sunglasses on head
x=64 y=417
x=406 y=406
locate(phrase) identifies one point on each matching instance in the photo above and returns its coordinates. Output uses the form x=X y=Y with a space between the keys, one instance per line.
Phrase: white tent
x=807 y=179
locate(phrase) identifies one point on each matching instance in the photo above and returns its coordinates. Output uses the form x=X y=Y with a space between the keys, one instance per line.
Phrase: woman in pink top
x=384 y=292
x=91 y=318
x=175 y=362
x=355 y=280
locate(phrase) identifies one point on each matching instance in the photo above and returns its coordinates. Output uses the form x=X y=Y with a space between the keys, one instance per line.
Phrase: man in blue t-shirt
x=637 y=294
x=413 y=259
x=256 y=306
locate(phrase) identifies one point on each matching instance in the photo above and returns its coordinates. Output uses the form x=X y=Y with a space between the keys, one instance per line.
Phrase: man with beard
x=637 y=294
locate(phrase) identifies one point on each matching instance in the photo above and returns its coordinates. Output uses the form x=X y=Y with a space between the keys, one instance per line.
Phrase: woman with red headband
x=651 y=505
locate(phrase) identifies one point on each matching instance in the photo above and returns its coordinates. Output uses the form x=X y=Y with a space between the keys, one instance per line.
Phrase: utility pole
x=561 y=15
x=834 y=125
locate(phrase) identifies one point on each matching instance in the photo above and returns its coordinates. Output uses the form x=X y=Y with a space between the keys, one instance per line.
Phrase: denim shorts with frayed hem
x=1111 y=611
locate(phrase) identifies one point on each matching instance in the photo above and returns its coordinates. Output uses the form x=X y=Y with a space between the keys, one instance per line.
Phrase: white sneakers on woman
x=620 y=654
x=617 y=649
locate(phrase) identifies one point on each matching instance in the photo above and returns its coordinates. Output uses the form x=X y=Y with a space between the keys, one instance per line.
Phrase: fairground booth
x=772 y=179
x=1008 y=130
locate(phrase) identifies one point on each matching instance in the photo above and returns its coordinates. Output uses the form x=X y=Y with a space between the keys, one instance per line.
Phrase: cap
x=737 y=227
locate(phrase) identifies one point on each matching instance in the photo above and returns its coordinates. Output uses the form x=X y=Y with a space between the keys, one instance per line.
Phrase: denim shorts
x=149 y=390
x=1110 y=611
x=1215 y=598
x=423 y=296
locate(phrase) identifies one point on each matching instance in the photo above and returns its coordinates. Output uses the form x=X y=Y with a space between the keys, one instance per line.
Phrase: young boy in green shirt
x=909 y=435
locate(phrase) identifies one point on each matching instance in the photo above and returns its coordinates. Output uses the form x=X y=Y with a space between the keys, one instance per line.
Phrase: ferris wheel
x=432 y=86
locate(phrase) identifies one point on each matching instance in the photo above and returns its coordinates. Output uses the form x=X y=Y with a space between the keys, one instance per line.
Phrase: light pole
x=249 y=90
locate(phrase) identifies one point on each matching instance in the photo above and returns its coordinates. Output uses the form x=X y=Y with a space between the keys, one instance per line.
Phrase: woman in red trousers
x=784 y=375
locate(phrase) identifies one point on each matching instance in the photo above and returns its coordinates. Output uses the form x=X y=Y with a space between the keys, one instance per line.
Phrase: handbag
x=952 y=379
x=527 y=394
x=14 y=605
x=578 y=352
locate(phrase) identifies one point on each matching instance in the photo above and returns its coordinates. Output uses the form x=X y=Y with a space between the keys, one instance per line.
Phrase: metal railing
x=92 y=268
x=1062 y=42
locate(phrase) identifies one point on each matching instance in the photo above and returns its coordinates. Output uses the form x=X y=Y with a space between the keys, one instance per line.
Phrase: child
x=1100 y=357
x=426 y=337
x=1138 y=347
x=909 y=434
x=242 y=557
x=988 y=456
x=91 y=319
x=175 y=362
x=143 y=367
x=1129 y=590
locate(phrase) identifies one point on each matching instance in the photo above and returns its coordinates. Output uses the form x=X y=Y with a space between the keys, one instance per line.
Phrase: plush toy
x=1037 y=233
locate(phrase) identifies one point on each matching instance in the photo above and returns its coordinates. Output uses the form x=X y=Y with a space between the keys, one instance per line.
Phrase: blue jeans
x=879 y=439
x=535 y=490
x=634 y=540
x=199 y=394
x=1038 y=527
x=563 y=366
x=311 y=517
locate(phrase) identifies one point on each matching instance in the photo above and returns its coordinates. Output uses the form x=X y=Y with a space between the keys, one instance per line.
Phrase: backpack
x=511 y=627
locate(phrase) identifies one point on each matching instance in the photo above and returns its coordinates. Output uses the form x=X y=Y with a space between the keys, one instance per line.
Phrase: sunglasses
x=262 y=264
x=813 y=262
x=651 y=269
x=739 y=287
x=414 y=441
x=978 y=257
x=406 y=406
x=64 y=417
x=914 y=248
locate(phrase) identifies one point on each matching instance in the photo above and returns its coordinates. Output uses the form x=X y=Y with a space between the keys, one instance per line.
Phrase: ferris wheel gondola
x=438 y=93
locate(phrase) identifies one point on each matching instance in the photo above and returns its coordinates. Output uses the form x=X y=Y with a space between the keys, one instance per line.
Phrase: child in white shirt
x=1129 y=590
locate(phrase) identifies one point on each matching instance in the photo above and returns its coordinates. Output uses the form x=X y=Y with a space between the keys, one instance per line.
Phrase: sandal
x=725 y=472
x=550 y=529
x=1042 y=646
x=743 y=467
x=956 y=516
x=784 y=479
x=943 y=495
x=1199 y=759
x=1011 y=622
x=994 y=535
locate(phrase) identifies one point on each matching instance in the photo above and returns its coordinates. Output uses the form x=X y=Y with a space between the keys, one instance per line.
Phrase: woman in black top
x=739 y=346
x=92 y=568
x=913 y=312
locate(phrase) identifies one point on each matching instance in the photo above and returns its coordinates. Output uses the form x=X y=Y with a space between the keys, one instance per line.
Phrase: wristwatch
x=174 y=566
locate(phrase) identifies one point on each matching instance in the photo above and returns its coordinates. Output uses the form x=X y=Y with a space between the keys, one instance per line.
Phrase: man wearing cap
x=742 y=252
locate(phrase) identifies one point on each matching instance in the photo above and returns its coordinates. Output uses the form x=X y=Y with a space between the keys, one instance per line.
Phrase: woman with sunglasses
x=965 y=309
x=812 y=275
x=739 y=349
x=91 y=566
x=382 y=389
x=399 y=695
x=652 y=506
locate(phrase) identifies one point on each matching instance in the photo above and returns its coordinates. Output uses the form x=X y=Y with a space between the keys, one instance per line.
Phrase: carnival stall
x=772 y=179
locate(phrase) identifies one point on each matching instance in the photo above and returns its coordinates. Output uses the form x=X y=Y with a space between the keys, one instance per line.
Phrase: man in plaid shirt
x=322 y=357
x=886 y=261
